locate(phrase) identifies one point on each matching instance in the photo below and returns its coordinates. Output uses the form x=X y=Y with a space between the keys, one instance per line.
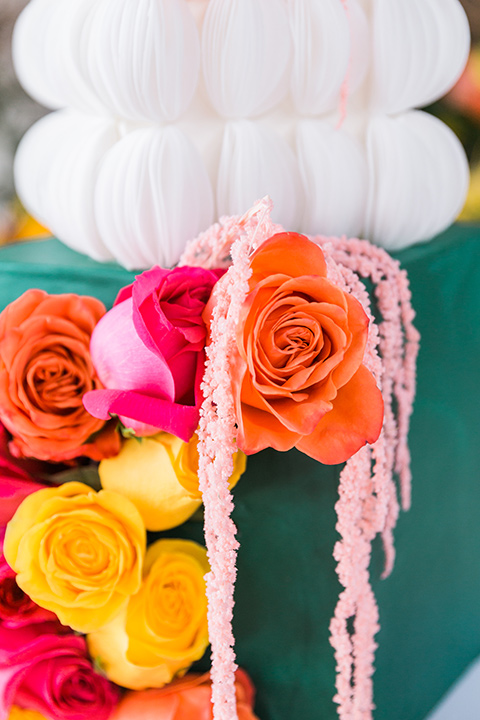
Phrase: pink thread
x=367 y=502
x=217 y=436
x=344 y=90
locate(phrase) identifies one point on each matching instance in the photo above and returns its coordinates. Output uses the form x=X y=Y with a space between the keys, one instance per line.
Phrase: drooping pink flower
x=149 y=352
x=44 y=667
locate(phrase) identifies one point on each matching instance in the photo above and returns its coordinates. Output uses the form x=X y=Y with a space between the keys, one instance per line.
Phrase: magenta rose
x=16 y=608
x=44 y=667
x=149 y=352
x=15 y=482
x=12 y=491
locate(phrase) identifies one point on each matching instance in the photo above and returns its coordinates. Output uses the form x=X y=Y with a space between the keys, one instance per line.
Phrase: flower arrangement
x=258 y=338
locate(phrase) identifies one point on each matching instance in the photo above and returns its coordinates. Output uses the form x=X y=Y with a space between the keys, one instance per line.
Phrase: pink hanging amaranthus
x=367 y=503
x=368 y=499
x=237 y=238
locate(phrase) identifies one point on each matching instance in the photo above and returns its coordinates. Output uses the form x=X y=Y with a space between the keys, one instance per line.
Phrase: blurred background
x=460 y=110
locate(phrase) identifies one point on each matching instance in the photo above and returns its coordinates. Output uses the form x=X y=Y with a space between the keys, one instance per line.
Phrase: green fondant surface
x=287 y=586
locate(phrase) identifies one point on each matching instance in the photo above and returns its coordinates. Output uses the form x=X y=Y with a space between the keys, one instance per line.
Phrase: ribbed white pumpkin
x=254 y=163
x=420 y=48
x=142 y=58
x=152 y=196
x=327 y=44
x=418 y=178
x=203 y=106
x=246 y=49
x=333 y=168
x=56 y=170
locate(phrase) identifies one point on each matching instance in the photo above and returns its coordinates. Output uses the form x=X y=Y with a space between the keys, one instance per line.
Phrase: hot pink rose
x=16 y=608
x=15 y=481
x=149 y=352
x=12 y=491
x=46 y=668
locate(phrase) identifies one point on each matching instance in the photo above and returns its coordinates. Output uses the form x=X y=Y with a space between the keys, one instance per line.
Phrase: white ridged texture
x=255 y=163
x=55 y=173
x=62 y=47
x=321 y=52
x=329 y=46
x=29 y=51
x=420 y=48
x=142 y=58
x=153 y=195
x=418 y=178
x=245 y=49
x=333 y=169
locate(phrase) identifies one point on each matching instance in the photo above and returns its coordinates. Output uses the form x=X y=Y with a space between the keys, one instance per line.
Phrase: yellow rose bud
x=77 y=552
x=159 y=475
x=186 y=467
x=17 y=713
x=108 y=646
x=164 y=628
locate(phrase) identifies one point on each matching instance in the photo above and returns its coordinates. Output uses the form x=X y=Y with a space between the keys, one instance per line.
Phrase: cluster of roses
x=78 y=581
x=85 y=606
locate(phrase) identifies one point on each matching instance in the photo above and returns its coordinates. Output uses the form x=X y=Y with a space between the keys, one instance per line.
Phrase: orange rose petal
x=244 y=687
x=146 y=705
x=356 y=418
x=45 y=367
x=15 y=313
x=195 y=704
x=259 y=430
x=187 y=681
x=192 y=695
x=83 y=311
x=106 y=444
x=303 y=417
x=318 y=289
x=358 y=325
x=288 y=253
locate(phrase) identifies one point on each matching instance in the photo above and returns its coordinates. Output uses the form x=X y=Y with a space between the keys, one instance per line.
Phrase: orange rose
x=185 y=699
x=45 y=369
x=297 y=373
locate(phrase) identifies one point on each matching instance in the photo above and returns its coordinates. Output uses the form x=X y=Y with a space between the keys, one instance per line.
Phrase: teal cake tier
x=287 y=587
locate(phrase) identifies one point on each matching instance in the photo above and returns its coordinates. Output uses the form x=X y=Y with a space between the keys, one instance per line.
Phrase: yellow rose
x=186 y=467
x=159 y=475
x=77 y=552
x=164 y=627
x=17 y=713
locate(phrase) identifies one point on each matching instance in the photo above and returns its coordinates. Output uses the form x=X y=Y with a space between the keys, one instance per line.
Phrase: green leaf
x=87 y=474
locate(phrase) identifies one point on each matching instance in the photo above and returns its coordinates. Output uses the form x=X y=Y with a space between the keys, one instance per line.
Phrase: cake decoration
x=368 y=503
x=317 y=110
x=116 y=426
x=45 y=368
x=293 y=357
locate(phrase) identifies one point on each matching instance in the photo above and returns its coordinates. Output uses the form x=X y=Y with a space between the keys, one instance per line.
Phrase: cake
x=287 y=587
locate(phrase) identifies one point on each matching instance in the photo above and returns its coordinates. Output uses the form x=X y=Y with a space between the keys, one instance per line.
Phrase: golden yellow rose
x=77 y=552
x=164 y=627
x=159 y=475
x=17 y=713
x=186 y=467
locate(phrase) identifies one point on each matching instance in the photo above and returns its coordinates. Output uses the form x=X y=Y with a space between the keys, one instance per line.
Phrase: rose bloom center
x=173 y=604
x=84 y=556
x=293 y=337
x=55 y=380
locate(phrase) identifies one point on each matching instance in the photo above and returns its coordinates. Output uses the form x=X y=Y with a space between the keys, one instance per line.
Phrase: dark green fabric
x=287 y=587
